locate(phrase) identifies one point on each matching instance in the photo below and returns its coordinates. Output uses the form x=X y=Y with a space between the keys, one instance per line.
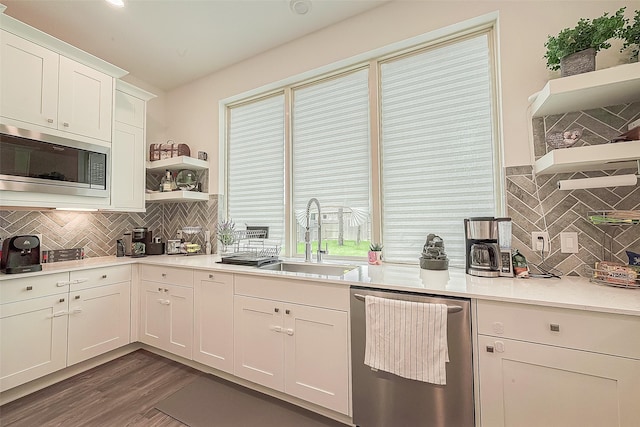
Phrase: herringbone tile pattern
x=97 y=232
x=535 y=203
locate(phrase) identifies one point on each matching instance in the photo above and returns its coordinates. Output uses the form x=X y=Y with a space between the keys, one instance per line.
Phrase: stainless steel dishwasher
x=382 y=399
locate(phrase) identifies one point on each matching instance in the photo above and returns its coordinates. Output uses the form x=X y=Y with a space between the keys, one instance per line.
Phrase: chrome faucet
x=307 y=233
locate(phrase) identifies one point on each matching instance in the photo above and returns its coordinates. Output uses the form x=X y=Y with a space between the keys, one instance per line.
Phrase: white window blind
x=255 y=165
x=330 y=155
x=437 y=147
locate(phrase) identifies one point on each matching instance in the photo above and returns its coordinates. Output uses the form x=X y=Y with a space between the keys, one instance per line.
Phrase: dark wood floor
x=122 y=392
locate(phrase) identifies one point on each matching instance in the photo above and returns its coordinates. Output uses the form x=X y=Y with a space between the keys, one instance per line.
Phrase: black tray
x=249 y=259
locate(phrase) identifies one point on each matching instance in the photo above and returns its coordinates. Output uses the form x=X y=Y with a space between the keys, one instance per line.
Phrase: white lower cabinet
x=213 y=320
x=553 y=367
x=33 y=339
x=166 y=309
x=99 y=320
x=299 y=349
x=51 y=321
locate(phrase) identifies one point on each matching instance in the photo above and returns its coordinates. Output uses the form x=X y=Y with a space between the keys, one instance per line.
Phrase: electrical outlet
x=634 y=124
x=540 y=241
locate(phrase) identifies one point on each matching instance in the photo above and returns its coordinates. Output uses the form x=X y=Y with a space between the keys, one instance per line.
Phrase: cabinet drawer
x=168 y=275
x=86 y=279
x=214 y=276
x=317 y=294
x=33 y=287
x=579 y=329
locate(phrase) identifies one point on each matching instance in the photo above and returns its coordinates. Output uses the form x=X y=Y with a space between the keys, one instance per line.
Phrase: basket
x=619 y=276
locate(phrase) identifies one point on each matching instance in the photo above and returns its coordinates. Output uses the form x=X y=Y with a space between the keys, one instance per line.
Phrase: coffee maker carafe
x=488 y=246
x=21 y=254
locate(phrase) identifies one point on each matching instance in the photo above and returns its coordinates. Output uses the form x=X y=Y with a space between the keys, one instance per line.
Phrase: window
x=435 y=148
x=255 y=165
x=330 y=161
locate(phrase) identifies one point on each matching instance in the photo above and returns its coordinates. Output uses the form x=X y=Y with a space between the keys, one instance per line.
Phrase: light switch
x=569 y=242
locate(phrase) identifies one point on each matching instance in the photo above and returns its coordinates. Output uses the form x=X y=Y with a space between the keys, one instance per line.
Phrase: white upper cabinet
x=85 y=100
x=29 y=81
x=52 y=92
x=128 y=148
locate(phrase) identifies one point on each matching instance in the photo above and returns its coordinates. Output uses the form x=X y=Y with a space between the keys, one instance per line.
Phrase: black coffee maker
x=21 y=254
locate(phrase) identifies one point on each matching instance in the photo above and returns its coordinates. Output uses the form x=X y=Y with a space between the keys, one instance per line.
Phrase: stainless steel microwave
x=40 y=163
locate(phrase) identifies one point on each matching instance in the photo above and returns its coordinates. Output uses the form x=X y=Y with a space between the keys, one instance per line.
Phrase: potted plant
x=226 y=234
x=631 y=36
x=375 y=254
x=573 y=50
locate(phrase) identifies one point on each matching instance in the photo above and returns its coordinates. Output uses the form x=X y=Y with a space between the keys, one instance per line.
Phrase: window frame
x=373 y=60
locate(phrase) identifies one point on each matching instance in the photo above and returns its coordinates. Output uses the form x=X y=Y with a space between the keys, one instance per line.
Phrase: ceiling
x=168 y=43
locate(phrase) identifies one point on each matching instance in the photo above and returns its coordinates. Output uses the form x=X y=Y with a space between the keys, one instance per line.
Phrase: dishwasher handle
x=450 y=308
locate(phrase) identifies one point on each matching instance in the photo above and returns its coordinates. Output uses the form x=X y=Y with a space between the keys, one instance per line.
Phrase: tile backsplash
x=534 y=204
x=97 y=232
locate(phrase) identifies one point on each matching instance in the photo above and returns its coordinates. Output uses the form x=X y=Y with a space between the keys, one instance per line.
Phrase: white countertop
x=567 y=292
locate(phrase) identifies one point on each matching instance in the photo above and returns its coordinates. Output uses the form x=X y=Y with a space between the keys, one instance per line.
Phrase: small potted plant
x=631 y=36
x=573 y=50
x=226 y=234
x=375 y=254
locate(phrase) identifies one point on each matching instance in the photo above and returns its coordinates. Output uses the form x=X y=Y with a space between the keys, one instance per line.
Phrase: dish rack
x=619 y=277
x=254 y=244
x=611 y=222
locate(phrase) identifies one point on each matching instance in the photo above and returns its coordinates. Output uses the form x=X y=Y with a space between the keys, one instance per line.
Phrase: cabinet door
x=33 y=342
x=316 y=356
x=99 y=321
x=153 y=321
x=179 y=313
x=526 y=384
x=85 y=100
x=29 y=81
x=213 y=313
x=128 y=166
x=129 y=109
x=259 y=346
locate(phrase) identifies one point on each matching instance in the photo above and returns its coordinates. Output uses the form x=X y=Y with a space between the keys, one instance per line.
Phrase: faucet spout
x=307 y=234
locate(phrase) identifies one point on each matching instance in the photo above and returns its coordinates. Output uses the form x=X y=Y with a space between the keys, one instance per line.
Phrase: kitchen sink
x=308 y=268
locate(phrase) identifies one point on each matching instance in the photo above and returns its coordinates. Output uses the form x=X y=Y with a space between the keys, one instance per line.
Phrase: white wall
x=192 y=110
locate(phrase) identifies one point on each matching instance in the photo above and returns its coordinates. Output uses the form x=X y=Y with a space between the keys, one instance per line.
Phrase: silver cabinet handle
x=450 y=308
x=29 y=288
x=277 y=310
x=65 y=124
x=104 y=276
x=61 y=300
x=49 y=120
x=58 y=314
x=76 y=297
x=554 y=327
x=489 y=349
x=287 y=311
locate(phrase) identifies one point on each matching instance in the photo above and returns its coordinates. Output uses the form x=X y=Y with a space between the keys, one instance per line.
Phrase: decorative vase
x=578 y=63
x=375 y=257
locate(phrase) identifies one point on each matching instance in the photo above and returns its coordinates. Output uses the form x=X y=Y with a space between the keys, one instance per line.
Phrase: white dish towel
x=406 y=338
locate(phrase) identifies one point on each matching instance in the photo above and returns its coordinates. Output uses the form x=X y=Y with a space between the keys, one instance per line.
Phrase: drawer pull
x=65 y=124
x=554 y=327
x=29 y=288
x=489 y=349
x=49 y=120
x=61 y=300
x=159 y=289
x=104 y=276
x=166 y=290
x=164 y=274
x=277 y=310
x=76 y=297
x=211 y=276
x=287 y=311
